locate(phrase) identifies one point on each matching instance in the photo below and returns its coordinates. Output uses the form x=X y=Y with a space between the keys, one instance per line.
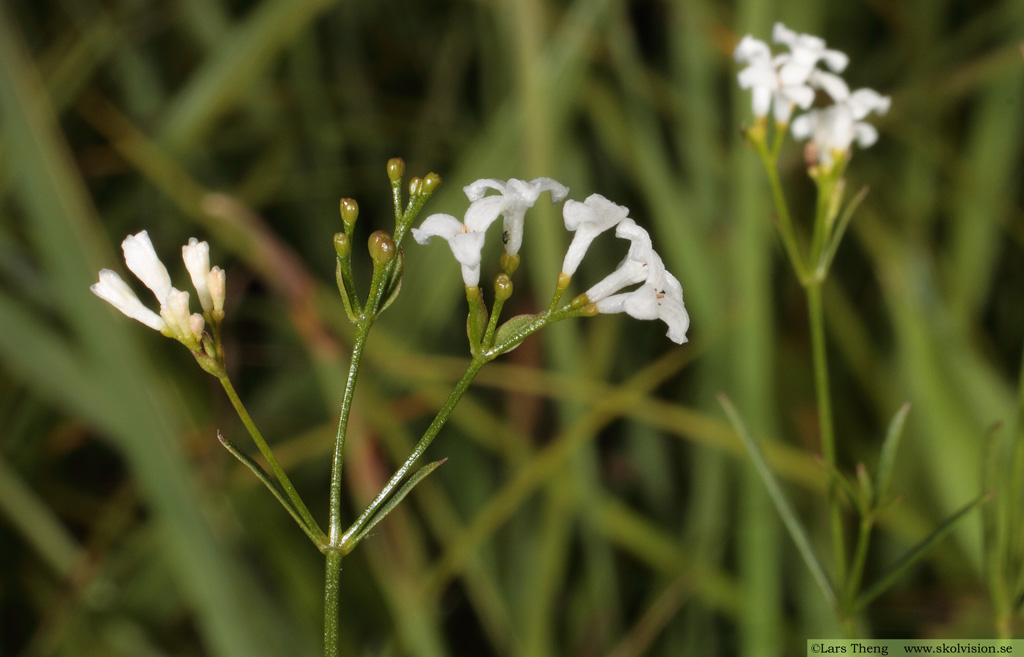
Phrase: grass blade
x=914 y=555
x=796 y=529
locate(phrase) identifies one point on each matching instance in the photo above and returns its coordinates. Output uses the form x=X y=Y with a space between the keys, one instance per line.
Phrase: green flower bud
x=580 y=301
x=382 y=248
x=396 y=169
x=431 y=182
x=415 y=186
x=349 y=213
x=342 y=245
x=502 y=287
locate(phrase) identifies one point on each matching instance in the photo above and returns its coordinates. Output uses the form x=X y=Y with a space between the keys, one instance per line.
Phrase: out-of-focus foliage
x=595 y=501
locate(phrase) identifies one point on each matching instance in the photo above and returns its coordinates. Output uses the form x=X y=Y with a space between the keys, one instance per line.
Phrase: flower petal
x=437 y=225
x=196 y=255
x=476 y=190
x=588 y=219
x=142 y=260
x=112 y=289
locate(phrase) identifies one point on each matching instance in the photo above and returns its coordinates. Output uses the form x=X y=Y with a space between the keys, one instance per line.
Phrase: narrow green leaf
x=887 y=457
x=829 y=252
x=394 y=284
x=789 y=518
x=314 y=535
x=914 y=555
x=395 y=499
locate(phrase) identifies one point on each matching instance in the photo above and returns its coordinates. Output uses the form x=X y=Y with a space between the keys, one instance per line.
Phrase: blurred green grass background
x=594 y=502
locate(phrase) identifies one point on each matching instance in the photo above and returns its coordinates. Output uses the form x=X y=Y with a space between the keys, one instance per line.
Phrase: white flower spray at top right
x=784 y=84
x=790 y=80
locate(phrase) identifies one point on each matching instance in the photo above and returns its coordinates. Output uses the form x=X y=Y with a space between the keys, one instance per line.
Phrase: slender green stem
x=785 y=224
x=332 y=587
x=828 y=448
x=428 y=437
x=860 y=556
x=334 y=527
x=272 y=461
x=492 y=322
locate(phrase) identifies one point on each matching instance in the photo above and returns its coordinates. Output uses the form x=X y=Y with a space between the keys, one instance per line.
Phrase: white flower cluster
x=789 y=80
x=659 y=295
x=174 y=319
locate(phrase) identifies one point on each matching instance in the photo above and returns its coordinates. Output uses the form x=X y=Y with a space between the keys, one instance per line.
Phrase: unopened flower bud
x=382 y=247
x=349 y=213
x=216 y=282
x=197 y=324
x=396 y=169
x=415 y=186
x=342 y=245
x=502 y=287
x=431 y=182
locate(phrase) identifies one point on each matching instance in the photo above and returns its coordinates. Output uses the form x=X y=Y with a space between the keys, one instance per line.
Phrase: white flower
x=116 y=292
x=217 y=284
x=466 y=243
x=659 y=297
x=788 y=79
x=466 y=238
x=196 y=255
x=588 y=219
x=833 y=130
x=515 y=198
x=185 y=327
x=174 y=318
x=142 y=260
x=806 y=50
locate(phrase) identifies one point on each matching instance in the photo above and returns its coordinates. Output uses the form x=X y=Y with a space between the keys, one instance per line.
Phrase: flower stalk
x=657 y=295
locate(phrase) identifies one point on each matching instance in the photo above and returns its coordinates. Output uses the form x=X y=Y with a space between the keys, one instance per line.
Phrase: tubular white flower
x=833 y=130
x=788 y=80
x=806 y=50
x=659 y=297
x=216 y=283
x=759 y=76
x=515 y=198
x=466 y=244
x=767 y=87
x=181 y=323
x=112 y=289
x=174 y=319
x=196 y=255
x=142 y=260
x=588 y=220
x=653 y=301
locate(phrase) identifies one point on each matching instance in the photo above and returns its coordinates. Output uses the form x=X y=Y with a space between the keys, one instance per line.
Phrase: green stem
x=824 y=398
x=428 y=437
x=860 y=556
x=785 y=224
x=492 y=322
x=272 y=461
x=332 y=576
x=335 y=527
